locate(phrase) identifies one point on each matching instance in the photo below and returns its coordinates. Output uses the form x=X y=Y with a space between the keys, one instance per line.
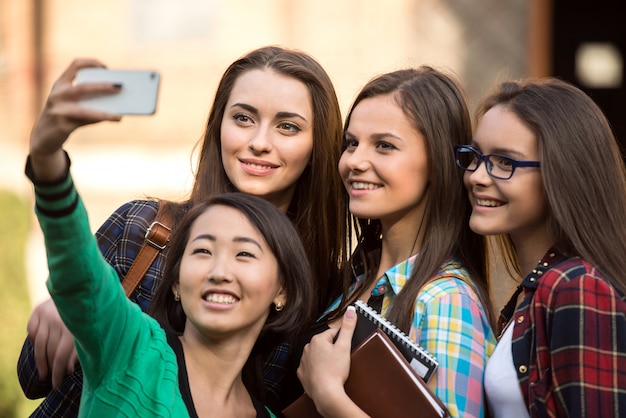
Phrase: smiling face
x=267 y=135
x=384 y=167
x=229 y=277
x=516 y=206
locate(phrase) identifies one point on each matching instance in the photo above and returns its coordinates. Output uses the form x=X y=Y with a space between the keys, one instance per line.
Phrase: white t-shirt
x=504 y=395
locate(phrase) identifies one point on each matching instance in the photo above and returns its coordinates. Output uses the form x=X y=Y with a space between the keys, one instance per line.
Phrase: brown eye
x=502 y=162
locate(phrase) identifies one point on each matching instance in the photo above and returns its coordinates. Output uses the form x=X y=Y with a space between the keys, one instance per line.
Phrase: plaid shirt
x=449 y=322
x=569 y=341
x=120 y=238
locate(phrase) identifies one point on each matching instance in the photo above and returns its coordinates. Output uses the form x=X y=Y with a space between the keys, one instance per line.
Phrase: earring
x=176 y=297
x=279 y=306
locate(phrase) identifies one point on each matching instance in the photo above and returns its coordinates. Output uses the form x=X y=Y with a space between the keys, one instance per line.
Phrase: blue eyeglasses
x=498 y=166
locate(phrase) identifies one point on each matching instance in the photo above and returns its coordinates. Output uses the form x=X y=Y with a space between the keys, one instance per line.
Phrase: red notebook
x=382 y=383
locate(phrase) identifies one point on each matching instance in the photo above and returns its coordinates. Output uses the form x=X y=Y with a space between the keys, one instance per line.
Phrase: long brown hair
x=316 y=209
x=581 y=167
x=436 y=105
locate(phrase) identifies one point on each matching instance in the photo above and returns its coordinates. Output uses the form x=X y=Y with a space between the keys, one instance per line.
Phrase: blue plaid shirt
x=450 y=322
x=120 y=239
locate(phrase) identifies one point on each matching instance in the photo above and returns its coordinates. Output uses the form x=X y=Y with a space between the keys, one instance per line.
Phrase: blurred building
x=191 y=42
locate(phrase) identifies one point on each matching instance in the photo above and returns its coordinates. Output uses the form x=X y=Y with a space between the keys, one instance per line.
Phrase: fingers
x=39 y=337
x=71 y=364
x=348 y=324
x=70 y=72
x=63 y=101
x=63 y=358
x=63 y=86
x=53 y=344
x=325 y=366
x=62 y=112
x=40 y=346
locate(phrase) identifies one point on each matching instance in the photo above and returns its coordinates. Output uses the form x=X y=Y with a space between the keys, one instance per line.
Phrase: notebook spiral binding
x=423 y=362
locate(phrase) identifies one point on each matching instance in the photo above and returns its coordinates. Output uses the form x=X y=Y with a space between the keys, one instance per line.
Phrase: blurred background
x=191 y=42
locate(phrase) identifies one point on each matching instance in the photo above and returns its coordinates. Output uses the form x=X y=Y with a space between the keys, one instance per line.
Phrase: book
x=382 y=383
x=424 y=363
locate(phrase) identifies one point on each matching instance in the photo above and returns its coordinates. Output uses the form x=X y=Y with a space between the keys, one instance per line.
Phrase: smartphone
x=138 y=96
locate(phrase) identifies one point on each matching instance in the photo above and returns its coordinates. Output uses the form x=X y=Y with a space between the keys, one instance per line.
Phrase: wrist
x=47 y=169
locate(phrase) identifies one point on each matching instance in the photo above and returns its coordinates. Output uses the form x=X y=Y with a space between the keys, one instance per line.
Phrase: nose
x=261 y=140
x=356 y=159
x=480 y=175
x=219 y=271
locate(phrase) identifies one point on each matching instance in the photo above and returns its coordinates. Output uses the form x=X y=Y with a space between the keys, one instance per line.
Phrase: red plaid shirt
x=569 y=341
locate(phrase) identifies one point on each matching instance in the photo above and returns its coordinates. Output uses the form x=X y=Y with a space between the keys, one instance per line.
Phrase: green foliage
x=15 y=307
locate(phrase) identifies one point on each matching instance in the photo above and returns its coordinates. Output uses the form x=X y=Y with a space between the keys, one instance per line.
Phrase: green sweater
x=129 y=368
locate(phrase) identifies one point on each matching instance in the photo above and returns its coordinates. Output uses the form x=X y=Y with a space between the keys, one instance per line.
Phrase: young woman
x=545 y=175
x=417 y=259
x=236 y=271
x=273 y=131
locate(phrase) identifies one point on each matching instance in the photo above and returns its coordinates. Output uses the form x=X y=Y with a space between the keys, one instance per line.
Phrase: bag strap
x=157 y=238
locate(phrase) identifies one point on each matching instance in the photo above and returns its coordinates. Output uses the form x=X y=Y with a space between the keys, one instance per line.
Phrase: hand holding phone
x=138 y=95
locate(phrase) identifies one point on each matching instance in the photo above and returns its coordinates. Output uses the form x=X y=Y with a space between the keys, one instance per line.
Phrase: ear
x=176 y=288
x=281 y=297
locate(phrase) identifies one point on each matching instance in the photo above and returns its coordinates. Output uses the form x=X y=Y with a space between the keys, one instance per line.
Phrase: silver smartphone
x=138 y=96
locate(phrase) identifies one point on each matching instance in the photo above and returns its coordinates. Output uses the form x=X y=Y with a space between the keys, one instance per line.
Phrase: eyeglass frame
x=488 y=164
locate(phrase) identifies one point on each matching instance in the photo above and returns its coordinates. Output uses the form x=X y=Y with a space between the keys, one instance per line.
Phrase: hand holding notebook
x=381 y=381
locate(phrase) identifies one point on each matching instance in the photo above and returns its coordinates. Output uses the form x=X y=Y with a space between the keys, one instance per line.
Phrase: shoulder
x=124 y=230
x=449 y=305
x=576 y=281
x=136 y=213
x=451 y=291
x=451 y=279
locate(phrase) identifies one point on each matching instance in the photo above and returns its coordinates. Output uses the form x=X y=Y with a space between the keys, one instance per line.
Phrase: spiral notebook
x=368 y=320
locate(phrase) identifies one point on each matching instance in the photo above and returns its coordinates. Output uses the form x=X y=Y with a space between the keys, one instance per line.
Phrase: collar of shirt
x=528 y=286
x=388 y=285
x=549 y=260
x=392 y=281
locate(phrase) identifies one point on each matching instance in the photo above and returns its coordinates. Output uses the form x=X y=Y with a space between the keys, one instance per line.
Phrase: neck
x=400 y=241
x=214 y=369
x=530 y=252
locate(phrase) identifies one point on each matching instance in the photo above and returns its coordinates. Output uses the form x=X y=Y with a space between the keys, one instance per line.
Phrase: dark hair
x=294 y=268
x=316 y=209
x=435 y=103
x=581 y=167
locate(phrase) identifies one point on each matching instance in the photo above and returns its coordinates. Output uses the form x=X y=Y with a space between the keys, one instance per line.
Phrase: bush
x=15 y=306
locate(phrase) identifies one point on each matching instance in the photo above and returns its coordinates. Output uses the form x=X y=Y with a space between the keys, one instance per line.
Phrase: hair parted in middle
x=435 y=103
x=316 y=209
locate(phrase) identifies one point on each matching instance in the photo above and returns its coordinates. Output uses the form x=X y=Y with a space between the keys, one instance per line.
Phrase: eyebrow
x=502 y=151
x=376 y=136
x=255 y=111
x=235 y=239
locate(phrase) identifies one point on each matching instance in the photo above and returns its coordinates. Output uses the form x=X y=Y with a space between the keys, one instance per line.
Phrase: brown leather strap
x=157 y=238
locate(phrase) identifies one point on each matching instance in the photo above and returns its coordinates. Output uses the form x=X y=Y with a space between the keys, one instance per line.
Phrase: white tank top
x=504 y=395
